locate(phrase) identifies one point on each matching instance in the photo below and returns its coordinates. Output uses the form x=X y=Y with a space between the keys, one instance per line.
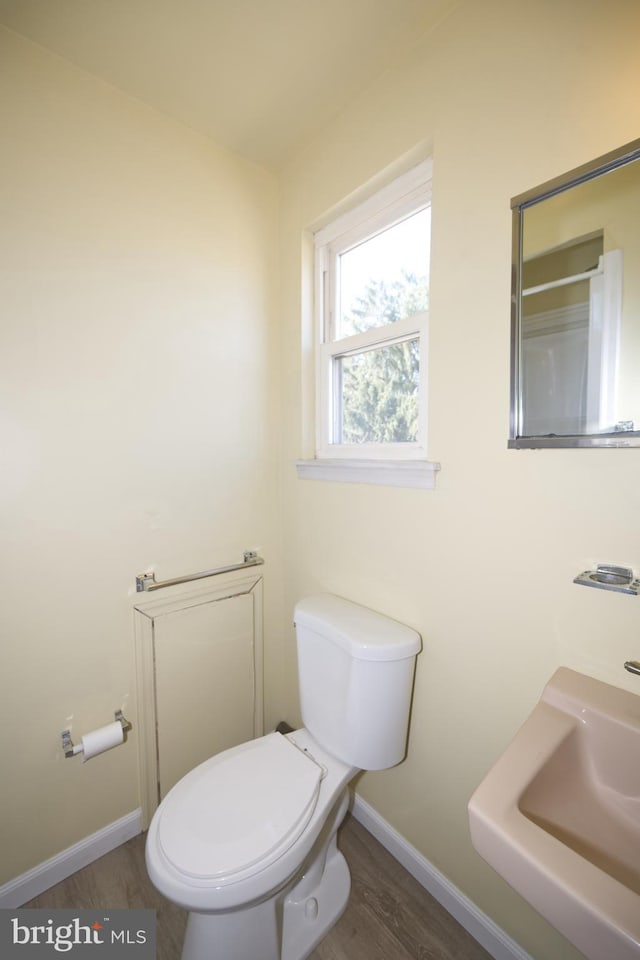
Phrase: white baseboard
x=487 y=933
x=35 y=881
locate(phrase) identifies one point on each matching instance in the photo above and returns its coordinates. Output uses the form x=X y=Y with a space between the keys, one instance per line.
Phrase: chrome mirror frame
x=629 y=153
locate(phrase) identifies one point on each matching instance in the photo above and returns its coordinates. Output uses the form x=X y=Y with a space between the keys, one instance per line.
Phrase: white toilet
x=247 y=840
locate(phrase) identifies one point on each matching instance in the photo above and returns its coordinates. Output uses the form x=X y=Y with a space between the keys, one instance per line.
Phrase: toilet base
x=287 y=926
x=241 y=935
x=307 y=921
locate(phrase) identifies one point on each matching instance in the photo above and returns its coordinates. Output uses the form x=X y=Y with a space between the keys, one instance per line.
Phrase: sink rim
x=596 y=911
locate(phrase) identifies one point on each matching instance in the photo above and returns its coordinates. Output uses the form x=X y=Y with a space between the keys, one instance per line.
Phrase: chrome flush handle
x=632 y=666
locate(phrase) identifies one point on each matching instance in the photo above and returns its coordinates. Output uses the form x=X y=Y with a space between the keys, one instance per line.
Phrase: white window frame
x=400 y=199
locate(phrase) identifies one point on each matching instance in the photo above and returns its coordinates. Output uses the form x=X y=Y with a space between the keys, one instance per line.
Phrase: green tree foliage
x=380 y=386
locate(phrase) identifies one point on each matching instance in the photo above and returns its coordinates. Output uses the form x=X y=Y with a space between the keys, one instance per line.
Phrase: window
x=372 y=303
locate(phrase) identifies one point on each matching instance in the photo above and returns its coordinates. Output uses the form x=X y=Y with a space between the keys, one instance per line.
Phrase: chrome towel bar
x=145 y=582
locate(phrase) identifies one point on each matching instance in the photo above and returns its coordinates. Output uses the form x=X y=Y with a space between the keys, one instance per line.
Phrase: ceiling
x=258 y=76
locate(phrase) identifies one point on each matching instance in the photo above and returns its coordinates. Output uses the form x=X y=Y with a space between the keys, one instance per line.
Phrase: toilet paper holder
x=70 y=750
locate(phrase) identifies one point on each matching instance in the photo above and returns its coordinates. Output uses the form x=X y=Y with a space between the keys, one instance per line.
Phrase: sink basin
x=558 y=816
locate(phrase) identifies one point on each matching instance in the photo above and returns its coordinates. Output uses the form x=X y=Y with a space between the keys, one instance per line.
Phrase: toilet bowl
x=243 y=828
x=246 y=842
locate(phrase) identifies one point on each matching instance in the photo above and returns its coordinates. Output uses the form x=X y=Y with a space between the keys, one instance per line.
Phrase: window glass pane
x=385 y=278
x=377 y=394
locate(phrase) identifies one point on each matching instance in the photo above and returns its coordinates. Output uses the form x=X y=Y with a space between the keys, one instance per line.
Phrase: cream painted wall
x=505 y=94
x=138 y=424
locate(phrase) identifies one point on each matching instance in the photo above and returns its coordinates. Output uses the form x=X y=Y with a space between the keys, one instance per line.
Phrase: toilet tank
x=355 y=670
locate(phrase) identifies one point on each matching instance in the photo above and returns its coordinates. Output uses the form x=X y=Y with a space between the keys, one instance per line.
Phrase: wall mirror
x=575 y=307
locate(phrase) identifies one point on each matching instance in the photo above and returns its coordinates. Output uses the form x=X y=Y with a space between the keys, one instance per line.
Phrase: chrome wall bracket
x=607 y=576
x=67 y=743
x=144 y=581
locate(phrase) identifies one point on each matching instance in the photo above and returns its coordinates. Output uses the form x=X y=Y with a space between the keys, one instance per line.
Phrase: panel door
x=204 y=683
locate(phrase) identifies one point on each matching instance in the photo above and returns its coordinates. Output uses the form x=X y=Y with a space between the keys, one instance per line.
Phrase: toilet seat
x=242 y=808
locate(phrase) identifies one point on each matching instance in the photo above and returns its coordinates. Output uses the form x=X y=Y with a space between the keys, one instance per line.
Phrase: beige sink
x=558 y=816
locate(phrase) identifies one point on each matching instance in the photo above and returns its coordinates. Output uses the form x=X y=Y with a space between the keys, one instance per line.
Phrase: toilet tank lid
x=363 y=633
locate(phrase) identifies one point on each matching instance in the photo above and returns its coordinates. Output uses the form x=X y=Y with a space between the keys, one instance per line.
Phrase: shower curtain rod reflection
x=145 y=582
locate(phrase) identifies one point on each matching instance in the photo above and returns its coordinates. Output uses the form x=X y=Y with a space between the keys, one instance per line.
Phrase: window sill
x=386 y=473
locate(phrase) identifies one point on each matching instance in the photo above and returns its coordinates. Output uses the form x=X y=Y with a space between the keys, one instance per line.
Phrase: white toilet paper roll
x=102 y=739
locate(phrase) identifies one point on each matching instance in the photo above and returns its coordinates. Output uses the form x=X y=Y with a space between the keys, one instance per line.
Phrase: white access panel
x=199 y=677
x=205 y=684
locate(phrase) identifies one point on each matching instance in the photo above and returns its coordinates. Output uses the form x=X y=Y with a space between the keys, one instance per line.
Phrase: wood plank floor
x=389 y=916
